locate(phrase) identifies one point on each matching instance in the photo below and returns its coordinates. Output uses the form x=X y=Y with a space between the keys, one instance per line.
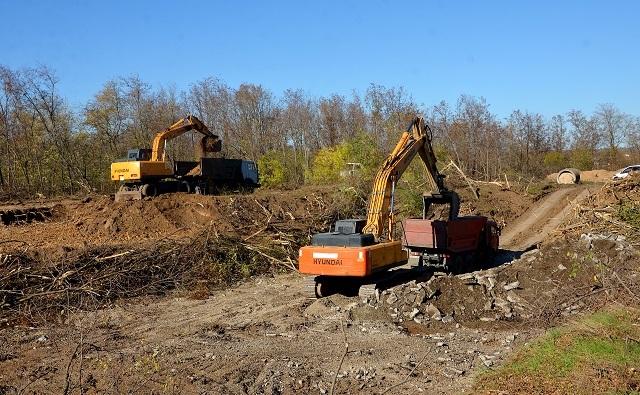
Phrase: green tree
x=271 y=169
x=555 y=160
x=327 y=164
x=582 y=158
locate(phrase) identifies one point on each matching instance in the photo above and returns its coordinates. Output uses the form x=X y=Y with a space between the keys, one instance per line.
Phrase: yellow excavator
x=147 y=172
x=358 y=252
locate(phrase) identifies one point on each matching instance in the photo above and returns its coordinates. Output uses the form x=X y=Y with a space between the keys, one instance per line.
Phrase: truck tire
x=149 y=190
x=185 y=187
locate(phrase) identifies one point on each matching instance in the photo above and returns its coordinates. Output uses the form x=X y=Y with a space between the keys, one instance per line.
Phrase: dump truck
x=148 y=172
x=358 y=253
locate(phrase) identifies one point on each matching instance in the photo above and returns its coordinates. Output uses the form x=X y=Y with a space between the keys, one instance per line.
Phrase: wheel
x=184 y=187
x=149 y=190
x=454 y=264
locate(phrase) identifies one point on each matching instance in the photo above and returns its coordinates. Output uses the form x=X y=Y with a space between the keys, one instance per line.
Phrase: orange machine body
x=351 y=261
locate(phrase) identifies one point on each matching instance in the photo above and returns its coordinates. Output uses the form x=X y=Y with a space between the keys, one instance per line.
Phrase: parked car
x=624 y=173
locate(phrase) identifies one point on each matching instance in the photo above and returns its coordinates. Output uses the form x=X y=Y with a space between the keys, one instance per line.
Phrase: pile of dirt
x=591 y=261
x=34 y=289
x=614 y=209
x=589 y=176
x=166 y=214
x=186 y=242
x=539 y=288
x=501 y=205
x=98 y=220
x=499 y=201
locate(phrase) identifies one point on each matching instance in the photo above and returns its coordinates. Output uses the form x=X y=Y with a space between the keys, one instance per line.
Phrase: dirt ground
x=432 y=334
x=542 y=218
x=597 y=176
x=97 y=220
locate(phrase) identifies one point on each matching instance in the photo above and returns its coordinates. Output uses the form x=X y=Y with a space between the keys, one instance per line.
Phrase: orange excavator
x=358 y=252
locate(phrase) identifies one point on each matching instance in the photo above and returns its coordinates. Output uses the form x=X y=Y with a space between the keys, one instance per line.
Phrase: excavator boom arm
x=416 y=140
x=180 y=127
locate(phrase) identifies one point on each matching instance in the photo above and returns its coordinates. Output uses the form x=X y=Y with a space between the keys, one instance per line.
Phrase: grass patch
x=630 y=213
x=599 y=353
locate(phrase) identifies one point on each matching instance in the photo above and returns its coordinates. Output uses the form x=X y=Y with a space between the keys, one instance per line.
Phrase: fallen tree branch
x=467 y=179
x=407 y=377
x=344 y=355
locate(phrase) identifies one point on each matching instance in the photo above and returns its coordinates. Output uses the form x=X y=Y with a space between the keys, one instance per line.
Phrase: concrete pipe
x=568 y=176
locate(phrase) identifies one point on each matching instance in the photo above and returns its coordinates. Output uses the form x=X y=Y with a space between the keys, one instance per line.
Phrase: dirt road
x=264 y=336
x=261 y=337
x=541 y=219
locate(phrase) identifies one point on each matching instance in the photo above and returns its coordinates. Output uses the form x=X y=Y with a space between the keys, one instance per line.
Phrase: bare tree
x=611 y=123
x=558 y=133
x=529 y=139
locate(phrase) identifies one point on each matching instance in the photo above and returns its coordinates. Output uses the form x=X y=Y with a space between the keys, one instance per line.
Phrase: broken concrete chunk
x=487 y=360
x=392 y=298
x=503 y=305
x=431 y=292
x=514 y=298
x=513 y=285
x=447 y=319
x=421 y=296
x=414 y=313
x=466 y=276
x=432 y=312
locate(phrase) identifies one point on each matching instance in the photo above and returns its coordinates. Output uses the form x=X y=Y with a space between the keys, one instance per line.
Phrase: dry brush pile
x=614 y=209
x=37 y=286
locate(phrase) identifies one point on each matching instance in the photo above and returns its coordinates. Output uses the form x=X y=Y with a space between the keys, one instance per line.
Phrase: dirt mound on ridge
x=99 y=220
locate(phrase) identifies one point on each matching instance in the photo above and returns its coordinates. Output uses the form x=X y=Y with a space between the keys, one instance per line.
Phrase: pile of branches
x=33 y=288
x=614 y=209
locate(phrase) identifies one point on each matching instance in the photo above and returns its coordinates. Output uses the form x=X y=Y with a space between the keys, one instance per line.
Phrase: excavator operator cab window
x=139 y=154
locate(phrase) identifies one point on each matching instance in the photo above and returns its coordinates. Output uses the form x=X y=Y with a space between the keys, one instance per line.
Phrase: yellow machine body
x=134 y=171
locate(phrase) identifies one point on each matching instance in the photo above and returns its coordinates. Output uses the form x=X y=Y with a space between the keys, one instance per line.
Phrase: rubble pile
x=558 y=280
x=479 y=295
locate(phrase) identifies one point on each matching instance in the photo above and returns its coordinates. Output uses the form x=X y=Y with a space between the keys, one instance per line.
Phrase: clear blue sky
x=544 y=56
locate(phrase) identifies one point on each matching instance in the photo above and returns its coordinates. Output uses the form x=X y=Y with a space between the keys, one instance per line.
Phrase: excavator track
x=367 y=291
x=309 y=289
x=322 y=286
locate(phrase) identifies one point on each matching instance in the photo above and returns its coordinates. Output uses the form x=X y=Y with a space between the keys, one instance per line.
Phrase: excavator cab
x=346 y=233
x=139 y=154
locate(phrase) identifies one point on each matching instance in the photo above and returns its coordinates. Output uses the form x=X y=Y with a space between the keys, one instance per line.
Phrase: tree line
x=47 y=148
